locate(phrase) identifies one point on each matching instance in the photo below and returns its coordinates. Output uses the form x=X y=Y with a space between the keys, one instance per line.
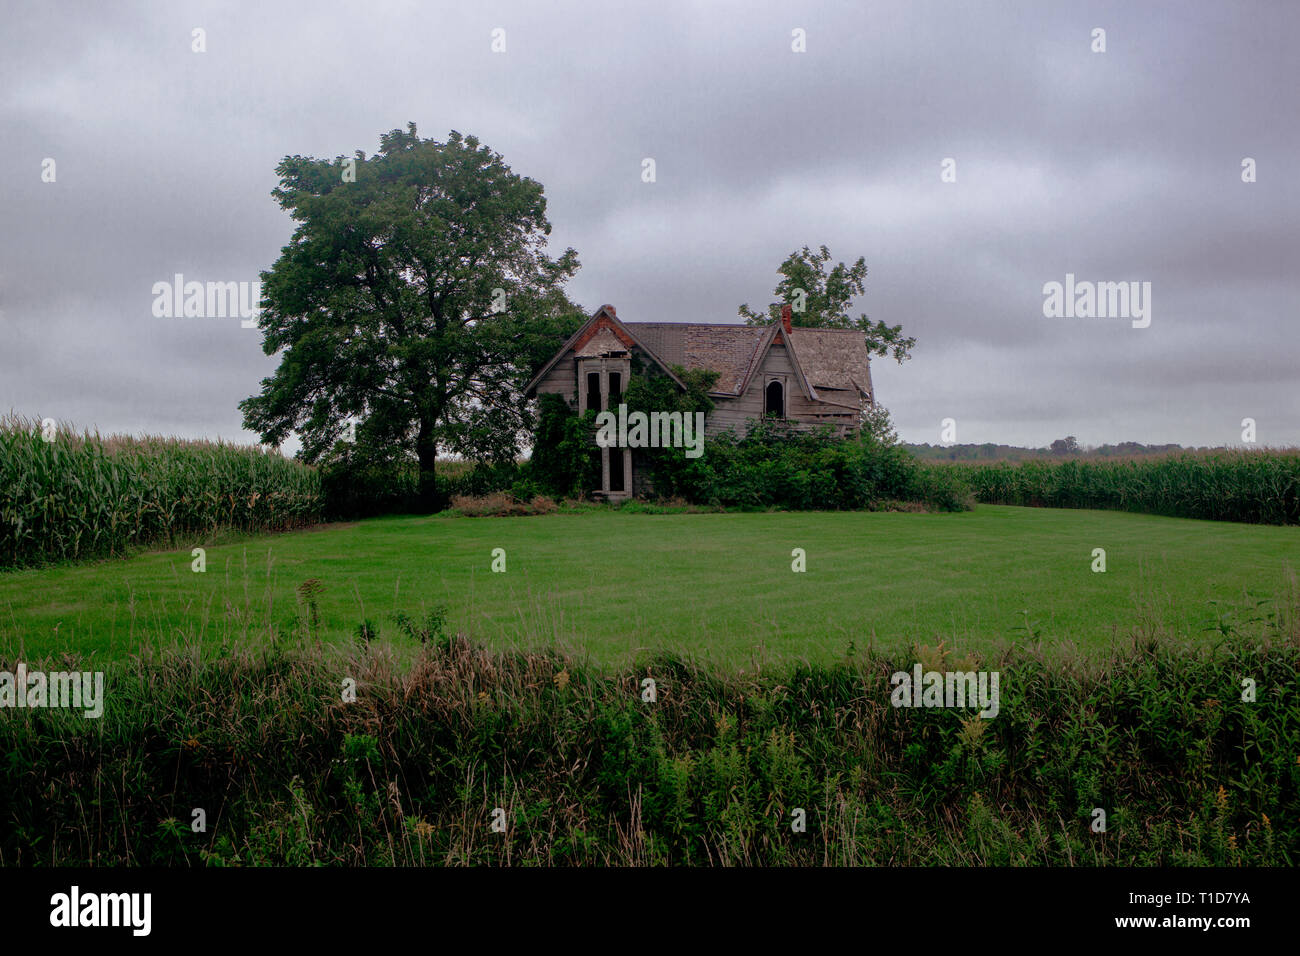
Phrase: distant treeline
x=994 y=452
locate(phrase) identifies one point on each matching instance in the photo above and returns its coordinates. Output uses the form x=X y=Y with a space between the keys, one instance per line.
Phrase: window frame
x=785 y=402
x=604 y=365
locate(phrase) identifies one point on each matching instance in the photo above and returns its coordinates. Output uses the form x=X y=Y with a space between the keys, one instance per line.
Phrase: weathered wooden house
x=809 y=377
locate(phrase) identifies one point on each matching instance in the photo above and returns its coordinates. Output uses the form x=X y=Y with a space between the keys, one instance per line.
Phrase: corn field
x=83 y=496
x=1258 y=487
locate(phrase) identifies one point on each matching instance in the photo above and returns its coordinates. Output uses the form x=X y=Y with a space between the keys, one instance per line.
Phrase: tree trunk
x=426 y=450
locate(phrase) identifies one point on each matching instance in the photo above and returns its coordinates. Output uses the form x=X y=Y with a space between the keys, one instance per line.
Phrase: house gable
x=779 y=354
x=602 y=334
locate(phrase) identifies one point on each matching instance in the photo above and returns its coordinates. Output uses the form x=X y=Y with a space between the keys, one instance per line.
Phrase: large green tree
x=822 y=299
x=411 y=305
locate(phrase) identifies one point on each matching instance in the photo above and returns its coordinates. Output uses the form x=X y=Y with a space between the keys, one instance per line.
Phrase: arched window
x=775 y=404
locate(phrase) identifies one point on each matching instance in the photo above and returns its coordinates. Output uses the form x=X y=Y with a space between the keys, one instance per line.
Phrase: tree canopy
x=821 y=299
x=412 y=304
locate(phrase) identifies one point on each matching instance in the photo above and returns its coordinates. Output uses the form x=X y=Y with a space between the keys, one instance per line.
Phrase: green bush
x=357 y=486
x=651 y=391
x=777 y=465
x=941 y=487
x=564 y=463
x=483 y=479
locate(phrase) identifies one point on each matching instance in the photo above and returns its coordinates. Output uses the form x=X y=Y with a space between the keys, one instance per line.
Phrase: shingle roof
x=729 y=350
x=830 y=358
x=834 y=358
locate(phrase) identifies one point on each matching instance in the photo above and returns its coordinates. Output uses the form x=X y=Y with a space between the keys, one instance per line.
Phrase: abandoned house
x=808 y=377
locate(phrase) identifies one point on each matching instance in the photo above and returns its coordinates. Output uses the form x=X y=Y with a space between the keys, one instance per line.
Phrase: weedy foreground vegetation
x=576 y=767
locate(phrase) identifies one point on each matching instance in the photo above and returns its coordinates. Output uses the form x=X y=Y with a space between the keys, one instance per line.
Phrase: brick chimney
x=785 y=318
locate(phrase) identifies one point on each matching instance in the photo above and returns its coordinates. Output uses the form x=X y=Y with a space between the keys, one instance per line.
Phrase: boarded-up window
x=775 y=405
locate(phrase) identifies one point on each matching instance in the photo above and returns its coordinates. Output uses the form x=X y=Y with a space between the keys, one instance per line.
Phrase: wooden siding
x=735 y=413
x=562 y=380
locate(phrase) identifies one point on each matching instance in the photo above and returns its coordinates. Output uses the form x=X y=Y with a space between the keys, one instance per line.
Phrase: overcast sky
x=1117 y=166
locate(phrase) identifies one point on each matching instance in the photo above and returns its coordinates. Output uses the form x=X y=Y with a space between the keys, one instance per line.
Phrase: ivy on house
x=566 y=461
x=668 y=469
x=566 y=458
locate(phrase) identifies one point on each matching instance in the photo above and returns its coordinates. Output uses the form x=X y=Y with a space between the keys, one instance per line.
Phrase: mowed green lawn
x=717 y=586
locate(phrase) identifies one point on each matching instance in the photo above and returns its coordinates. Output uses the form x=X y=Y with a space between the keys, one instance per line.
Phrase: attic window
x=774 y=400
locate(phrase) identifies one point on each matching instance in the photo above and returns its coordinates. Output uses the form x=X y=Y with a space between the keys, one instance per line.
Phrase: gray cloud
x=1122 y=165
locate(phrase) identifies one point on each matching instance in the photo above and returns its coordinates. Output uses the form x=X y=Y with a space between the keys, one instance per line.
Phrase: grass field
x=717 y=586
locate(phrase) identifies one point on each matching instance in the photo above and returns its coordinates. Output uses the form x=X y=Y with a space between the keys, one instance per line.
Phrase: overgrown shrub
x=669 y=471
x=565 y=462
x=941 y=487
x=499 y=503
x=357 y=485
x=779 y=465
x=481 y=478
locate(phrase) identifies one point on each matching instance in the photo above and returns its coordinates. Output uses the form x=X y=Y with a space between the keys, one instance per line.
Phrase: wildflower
x=972 y=729
x=932 y=658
